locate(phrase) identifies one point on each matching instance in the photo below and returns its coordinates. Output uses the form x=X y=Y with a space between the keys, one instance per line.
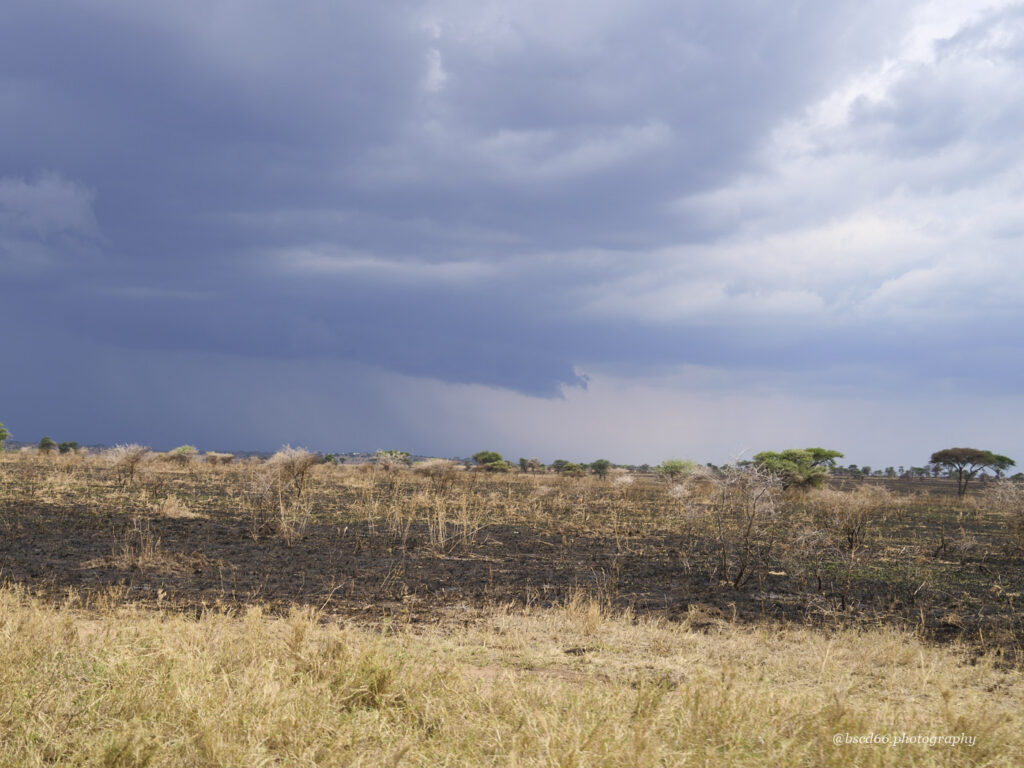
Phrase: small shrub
x=392 y=460
x=848 y=517
x=1006 y=498
x=212 y=457
x=572 y=469
x=126 y=460
x=183 y=454
x=174 y=507
x=291 y=467
x=440 y=472
x=675 y=469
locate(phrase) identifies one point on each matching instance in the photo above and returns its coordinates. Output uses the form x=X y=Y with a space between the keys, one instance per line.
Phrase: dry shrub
x=183 y=455
x=291 y=467
x=390 y=461
x=174 y=507
x=700 y=486
x=127 y=460
x=138 y=546
x=849 y=516
x=258 y=500
x=272 y=494
x=440 y=472
x=213 y=457
x=1006 y=498
x=621 y=478
x=740 y=507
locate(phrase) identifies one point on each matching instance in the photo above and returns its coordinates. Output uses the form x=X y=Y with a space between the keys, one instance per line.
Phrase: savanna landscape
x=353 y=243
x=189 y=609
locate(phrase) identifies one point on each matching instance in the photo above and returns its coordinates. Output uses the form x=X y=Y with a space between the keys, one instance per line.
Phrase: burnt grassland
x=373 y=545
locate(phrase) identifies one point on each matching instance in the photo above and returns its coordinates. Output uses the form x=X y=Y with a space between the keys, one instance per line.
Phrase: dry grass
x=565 y=687
x=580 y=685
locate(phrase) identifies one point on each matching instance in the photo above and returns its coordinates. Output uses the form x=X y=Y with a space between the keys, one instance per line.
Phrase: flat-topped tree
x=490 y=461
x=1001 y=464
x=965 y=463
x=799 y=467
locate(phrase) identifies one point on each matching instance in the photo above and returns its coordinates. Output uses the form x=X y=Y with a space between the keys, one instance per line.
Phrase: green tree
x=68 y=446
x=4 y=434
x=799 y=467
x=392 y=459
x=965 y=463
x=1001 y=464
x=600 y=467
x=490 y=461
x=47 y=445
x=674 y=469
x=531 y=465
x=183 y=454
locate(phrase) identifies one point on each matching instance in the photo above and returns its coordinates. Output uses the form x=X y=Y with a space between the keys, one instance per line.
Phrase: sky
x=631 y=230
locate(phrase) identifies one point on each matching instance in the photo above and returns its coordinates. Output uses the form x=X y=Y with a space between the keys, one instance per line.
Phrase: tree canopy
x=965 y=463
x=674 y=469
x=799 y=467
x=490 y=461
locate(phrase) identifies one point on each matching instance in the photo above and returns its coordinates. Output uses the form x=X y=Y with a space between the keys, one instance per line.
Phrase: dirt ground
x=927 y=566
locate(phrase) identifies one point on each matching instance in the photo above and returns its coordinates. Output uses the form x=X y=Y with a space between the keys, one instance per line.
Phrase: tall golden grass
x=117 y=685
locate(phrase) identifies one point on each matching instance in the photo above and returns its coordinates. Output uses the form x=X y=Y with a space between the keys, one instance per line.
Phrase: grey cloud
x=469 y=177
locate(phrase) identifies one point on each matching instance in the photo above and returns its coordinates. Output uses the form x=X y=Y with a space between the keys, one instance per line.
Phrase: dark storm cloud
x=197 y=124
x=504 y=194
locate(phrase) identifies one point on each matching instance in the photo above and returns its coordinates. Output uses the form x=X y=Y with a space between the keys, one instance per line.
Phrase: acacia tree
x=799 y=467
x=4 y=434
x=490 y=461
x=1001 y=464
x=965 y=463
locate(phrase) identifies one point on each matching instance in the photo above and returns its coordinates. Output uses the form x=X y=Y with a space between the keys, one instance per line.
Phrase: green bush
x=674 y=469
x=799 y=467
x=183 y=454
x=490 y=461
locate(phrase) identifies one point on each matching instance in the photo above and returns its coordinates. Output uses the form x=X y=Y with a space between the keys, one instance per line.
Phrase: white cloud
x=329 y=260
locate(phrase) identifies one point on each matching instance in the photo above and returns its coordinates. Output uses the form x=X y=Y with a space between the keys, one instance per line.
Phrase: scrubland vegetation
x=204 y=610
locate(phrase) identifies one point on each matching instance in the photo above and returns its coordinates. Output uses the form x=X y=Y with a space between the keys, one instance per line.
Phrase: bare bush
x=174 y=507
x=126 y=460
x=740 y=504
x=183 y=455
x=848 y=517
x=392 y=460
x=1006 y=498
x=213 y=457
x=138 y=546
x=291 y=467
x=441 y=473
